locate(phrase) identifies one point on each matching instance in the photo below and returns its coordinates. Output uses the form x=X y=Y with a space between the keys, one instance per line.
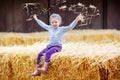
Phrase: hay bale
x=80 y=60
x=84 y=61
x=91 y=36
x=11 y=39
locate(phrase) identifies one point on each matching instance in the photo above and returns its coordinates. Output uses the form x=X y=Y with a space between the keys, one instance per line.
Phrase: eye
x=54 y=22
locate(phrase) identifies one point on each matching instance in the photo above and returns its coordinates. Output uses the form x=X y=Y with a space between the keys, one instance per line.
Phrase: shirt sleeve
x=42 y=24
x=70 y=26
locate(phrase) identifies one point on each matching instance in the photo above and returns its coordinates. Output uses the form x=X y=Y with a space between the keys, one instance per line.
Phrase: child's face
x=55 y=22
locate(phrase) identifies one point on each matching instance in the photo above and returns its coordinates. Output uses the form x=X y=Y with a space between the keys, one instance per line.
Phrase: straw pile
x=86 y=55
x=101 y=36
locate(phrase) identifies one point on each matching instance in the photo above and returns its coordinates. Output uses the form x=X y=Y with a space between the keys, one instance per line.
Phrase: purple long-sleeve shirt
x=56 y=34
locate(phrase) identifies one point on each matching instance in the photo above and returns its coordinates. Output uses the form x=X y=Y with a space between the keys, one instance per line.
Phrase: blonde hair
x=55 y=16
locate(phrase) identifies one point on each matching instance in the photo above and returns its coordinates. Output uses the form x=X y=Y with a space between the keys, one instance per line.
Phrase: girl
x=55 y=39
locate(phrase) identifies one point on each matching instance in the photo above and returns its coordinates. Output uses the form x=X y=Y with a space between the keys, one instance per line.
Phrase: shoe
x=36 y=73
x=44 y=68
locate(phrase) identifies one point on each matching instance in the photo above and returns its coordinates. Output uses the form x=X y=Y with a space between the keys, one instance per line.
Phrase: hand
x=35 y=16
x=80 y=17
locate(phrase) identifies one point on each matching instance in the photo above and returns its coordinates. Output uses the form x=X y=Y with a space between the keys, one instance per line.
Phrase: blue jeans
x=49 y=50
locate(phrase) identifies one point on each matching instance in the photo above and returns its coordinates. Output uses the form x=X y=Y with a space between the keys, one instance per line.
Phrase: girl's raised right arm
x=41 y=23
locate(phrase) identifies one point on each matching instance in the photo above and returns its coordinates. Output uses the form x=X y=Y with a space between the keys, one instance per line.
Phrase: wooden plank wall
x=69 y=15
x=113 y=17
x=15 y=14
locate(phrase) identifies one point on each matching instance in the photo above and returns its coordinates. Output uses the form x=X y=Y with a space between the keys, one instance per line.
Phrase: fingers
x=80 y=17
x=35 y=16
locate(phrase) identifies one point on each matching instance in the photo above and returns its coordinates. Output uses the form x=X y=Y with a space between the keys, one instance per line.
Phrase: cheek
x=58 y=23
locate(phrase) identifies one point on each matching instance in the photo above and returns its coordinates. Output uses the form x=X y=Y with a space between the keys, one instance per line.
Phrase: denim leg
x=41 y=54
x=51 y=51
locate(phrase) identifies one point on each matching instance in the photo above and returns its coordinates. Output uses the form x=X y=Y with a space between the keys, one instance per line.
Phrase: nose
x=54 y=23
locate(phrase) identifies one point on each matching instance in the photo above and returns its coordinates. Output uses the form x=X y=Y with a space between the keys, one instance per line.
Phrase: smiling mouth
x=55 y=26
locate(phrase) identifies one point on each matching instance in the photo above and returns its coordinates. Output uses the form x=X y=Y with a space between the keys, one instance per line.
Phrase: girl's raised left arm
x=74 y=23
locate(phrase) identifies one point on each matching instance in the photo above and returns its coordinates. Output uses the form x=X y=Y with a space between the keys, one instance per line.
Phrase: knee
x=40 y=54
x=49 y=53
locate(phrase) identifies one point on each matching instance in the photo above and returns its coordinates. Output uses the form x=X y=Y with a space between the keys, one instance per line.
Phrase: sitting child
x=55 y=39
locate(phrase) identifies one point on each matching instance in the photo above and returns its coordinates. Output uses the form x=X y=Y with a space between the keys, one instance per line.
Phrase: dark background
x=13 y=17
